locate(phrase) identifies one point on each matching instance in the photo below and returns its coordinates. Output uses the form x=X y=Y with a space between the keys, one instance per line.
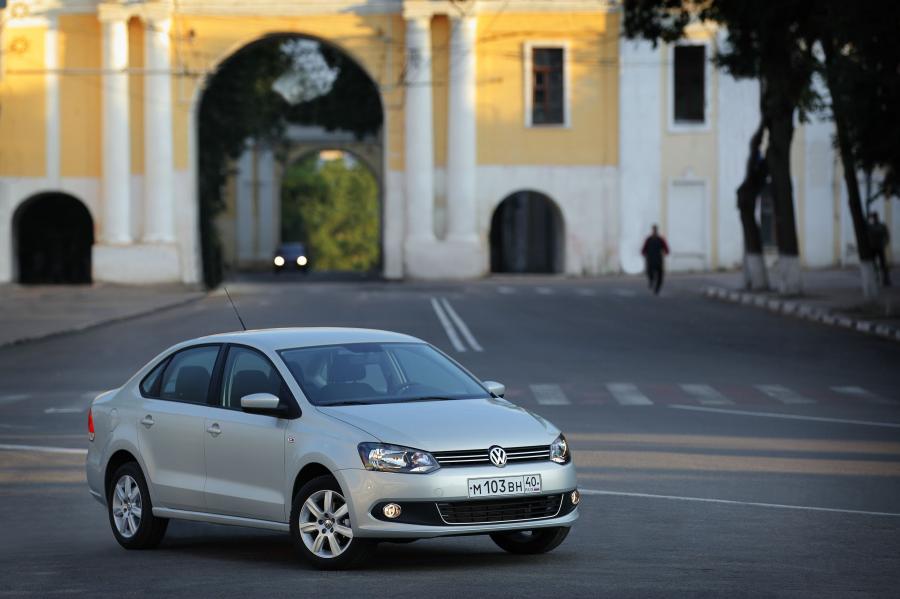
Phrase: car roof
x=288 y=338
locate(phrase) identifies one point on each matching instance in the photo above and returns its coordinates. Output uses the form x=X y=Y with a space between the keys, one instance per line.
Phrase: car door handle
x=147 y=420
x=214 y=429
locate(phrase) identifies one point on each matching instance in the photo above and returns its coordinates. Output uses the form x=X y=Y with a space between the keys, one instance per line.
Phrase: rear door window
x=188 y=374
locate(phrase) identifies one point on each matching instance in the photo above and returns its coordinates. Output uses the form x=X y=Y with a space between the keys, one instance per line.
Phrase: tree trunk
x=755 y=275
x=866 y=254
x=780 y=112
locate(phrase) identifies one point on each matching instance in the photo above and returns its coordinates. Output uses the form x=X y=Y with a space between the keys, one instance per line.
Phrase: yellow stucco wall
x=592 y=40
x=375 y=41
x=440 y=79
x=80 y=47
x=22 y=99
x=136 y=94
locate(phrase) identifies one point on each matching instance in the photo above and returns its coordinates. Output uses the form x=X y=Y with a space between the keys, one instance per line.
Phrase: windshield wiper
x=433 y=398
x=346 y=403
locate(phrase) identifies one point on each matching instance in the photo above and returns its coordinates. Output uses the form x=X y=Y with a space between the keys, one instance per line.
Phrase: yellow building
x=534 y=106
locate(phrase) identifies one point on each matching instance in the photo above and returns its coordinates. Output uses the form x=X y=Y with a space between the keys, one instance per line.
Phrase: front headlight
x=279 y=261
x=393 y=458
x=559 y=450
x=301 y=260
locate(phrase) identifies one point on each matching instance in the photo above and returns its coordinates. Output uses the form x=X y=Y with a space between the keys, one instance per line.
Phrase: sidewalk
x=28 y=313
x=832 y=297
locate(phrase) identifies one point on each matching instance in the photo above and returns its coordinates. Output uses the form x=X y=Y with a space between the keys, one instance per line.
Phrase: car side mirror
x=264 y=402
x=496 y=389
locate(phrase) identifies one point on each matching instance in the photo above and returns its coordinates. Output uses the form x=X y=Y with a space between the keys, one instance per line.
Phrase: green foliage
x=333 y=207
x=239 y=104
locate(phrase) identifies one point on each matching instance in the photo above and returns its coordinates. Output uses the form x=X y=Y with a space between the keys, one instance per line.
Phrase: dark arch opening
x=257 y=93
x=527 y=235
x=54 y=233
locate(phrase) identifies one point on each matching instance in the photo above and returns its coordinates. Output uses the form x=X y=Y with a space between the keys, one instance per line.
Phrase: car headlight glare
x=301 y=261
x=393 y=458
x=279 y=261
x=559 y=450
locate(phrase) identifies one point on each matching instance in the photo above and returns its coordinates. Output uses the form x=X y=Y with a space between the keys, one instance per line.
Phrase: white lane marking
x=706 y=395
x=549 y=395
x=505 y=290
x=628 y=394
x=65 y=410
x=586 y=292
x=625 y=292
x=13 y=398
x=544 y=290
x=448 y=327
x=783 y=394
x=808 y=508
x=461 y=325
x=788 y=416
x=861 y=393
x=43 y=448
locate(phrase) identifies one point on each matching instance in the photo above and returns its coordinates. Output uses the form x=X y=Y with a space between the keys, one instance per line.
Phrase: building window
x=689 y=84
x=548 y=96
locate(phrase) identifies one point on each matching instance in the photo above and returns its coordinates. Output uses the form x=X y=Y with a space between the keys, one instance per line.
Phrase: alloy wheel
x=127 y=506
x=325 y=524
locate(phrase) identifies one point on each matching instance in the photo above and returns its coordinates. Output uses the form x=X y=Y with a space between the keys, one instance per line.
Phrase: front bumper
x=369 y=489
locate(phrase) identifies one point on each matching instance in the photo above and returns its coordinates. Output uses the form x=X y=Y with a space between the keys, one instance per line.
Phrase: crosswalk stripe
x=544 y=290
x=706 y=395
x=4 y=399
x=505 y=290
x=628 y=394
x=784 y=395
x=861 y=393
x=586 y=292
x=625 y=292
x=549 y=395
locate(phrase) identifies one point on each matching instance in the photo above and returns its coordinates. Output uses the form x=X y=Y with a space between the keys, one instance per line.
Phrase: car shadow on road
x=275 y=551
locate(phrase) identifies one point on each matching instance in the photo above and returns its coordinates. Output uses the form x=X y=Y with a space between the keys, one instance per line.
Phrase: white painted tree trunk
x=869 y=279
x=755 y=276
x=788 y=275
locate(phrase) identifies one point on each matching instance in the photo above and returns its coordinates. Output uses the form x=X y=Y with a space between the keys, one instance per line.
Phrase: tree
x=768 y=41
x=861 y=66
x=755 y=175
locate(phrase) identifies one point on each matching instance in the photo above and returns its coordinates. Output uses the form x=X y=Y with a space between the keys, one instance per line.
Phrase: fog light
x=576 y=497
x=391 y=510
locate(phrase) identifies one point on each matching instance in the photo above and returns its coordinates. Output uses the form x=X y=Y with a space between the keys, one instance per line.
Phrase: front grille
x=480 y=457
x=485 y=511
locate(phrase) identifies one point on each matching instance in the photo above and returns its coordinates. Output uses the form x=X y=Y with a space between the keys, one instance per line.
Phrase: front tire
x=321 y=529
x=530 y=542
x=131 y=510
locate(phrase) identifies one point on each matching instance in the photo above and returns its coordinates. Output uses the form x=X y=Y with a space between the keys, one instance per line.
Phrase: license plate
x=505 y=485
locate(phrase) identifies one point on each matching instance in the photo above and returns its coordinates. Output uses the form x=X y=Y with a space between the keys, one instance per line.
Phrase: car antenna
x=238 y=314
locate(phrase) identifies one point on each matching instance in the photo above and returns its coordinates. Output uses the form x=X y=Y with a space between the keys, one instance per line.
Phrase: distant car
x=291 y=256
x=342 y=437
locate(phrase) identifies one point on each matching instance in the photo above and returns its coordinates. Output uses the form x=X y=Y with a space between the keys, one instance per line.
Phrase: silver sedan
x=342 y=437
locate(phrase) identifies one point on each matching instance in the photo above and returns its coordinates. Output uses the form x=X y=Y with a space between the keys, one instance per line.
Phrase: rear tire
x=530 y=542
x=130 y=510
x=321 y=528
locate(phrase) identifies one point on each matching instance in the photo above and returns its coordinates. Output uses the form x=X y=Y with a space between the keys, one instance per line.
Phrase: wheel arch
x=307 y=473
x=117 y=459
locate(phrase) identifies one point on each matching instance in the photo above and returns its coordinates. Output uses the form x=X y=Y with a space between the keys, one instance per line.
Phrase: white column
x=116 y=133
x=418 y=133
x=159 y=222
x=461 y=148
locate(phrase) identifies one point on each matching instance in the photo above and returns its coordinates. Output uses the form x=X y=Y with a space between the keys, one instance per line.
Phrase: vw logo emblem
x=498 y=456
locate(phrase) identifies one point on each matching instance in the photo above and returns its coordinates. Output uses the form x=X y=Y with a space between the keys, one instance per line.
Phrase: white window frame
x=688 y=127
x=528 y=80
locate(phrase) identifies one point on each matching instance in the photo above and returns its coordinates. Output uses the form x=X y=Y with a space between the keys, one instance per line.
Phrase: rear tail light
x=90 y=425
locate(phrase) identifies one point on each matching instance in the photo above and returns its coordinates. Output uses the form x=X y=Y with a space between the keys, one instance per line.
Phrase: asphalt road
x=724 y=451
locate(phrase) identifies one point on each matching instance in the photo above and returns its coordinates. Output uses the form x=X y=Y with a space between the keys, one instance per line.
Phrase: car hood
x=448 y=425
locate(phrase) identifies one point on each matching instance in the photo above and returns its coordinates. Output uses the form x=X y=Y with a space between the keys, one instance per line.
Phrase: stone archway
x=527 y=235
x=53 y=235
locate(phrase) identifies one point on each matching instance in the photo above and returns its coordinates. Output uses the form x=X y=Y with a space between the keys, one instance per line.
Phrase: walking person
x=879 y=238
x=654 y=250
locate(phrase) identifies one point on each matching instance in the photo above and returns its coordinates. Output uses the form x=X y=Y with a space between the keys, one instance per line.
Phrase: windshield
x=370 y=373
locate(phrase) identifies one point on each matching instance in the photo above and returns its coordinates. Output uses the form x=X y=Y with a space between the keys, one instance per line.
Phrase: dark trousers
x=655 y=277
x=882 y=265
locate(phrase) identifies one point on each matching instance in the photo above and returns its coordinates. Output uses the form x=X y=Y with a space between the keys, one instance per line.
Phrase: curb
x=93 y=324
x=804 y=311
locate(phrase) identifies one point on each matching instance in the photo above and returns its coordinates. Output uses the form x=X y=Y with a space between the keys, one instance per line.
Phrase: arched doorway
x=527 y=235
x=275 y=93
x=54 y=233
